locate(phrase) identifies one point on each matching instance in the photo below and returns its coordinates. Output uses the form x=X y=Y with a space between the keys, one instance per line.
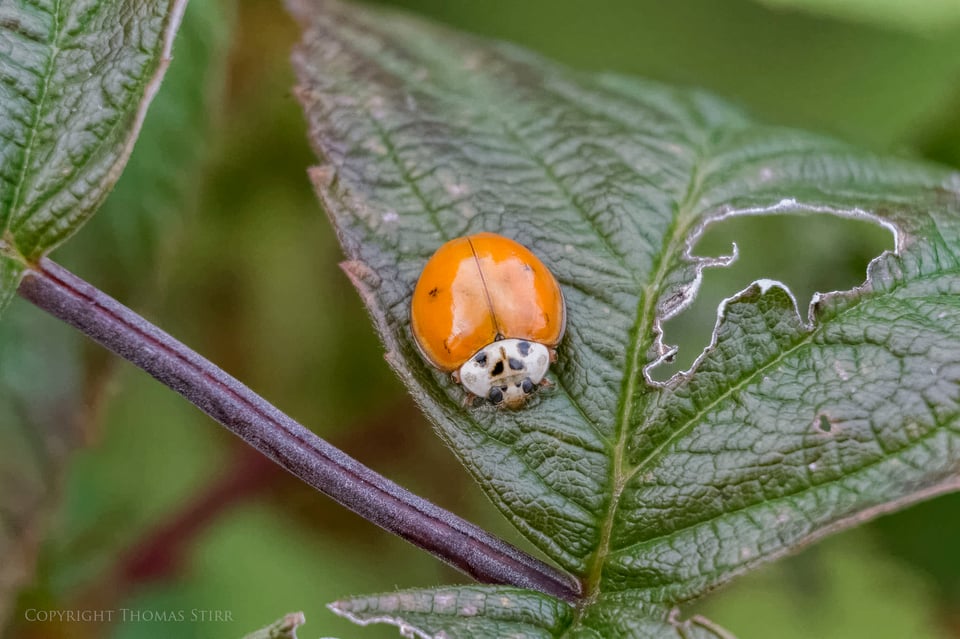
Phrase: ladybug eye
x=527 y=386
x=496 y=395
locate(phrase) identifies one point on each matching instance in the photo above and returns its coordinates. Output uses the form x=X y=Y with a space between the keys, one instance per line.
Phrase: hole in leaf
x=824 y=424
x=808 y=253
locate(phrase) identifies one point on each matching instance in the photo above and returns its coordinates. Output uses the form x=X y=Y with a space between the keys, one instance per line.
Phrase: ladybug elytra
x=488 y=311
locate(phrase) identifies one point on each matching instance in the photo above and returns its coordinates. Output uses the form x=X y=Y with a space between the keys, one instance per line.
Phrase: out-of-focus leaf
x=285 y=628
x=124 y=245
x=76 y=78
x=924 y=16
x=786 y=429
x=922 y=536
x=941 y=141
x=39 y=425
x=47 y=387
x=846 y=588
x=791 y=67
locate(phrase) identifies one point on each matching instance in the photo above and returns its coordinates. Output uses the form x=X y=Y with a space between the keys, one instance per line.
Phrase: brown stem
x=375 y=498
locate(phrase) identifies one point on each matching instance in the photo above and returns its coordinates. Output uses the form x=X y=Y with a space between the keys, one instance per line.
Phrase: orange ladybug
x=488 y=311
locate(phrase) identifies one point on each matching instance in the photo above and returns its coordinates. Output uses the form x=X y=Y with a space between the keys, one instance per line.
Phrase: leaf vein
x=28 y=149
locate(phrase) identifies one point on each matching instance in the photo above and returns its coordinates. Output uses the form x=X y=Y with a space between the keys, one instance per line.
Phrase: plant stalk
x=461 y=544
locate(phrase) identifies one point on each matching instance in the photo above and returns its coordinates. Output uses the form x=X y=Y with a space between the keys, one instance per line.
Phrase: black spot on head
x=527 y=385
x=495 y=395
x=498 y=368
x=515 y=364
x=524 y=348
x=481 y=359
x=434 y=291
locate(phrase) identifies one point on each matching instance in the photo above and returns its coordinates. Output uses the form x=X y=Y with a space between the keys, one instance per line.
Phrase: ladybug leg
x=545 y=383
x=468 y=399
x=455 y=376
x=553 y=356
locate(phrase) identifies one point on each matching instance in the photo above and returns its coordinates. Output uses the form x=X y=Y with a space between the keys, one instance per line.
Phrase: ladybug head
x=506 y=372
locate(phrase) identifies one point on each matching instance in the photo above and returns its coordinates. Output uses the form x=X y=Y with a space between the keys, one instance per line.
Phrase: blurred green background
x=214 y=233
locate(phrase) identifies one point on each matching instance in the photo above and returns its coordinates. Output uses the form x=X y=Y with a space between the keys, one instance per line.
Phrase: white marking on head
x=506 y=372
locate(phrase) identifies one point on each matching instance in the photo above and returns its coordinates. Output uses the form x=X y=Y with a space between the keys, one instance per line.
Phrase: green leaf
x=923 y=16
x=846 y=588
x=76 y=77
x=466 y=611
x=40 y=423
x=787 y=428
x=285 y=628
x=50 y=387
x=10 y=272
x=493 y=611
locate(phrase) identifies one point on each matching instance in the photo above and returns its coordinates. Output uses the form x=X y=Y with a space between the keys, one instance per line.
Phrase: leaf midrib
x=645 y=320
